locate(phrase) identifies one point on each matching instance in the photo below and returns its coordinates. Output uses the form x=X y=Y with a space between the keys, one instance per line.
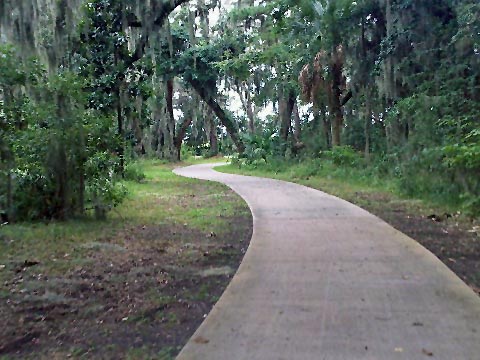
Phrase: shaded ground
x=138 y=293
x=452 y=239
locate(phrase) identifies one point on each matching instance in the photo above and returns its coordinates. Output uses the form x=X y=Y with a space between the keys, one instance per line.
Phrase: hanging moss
x=41 y=28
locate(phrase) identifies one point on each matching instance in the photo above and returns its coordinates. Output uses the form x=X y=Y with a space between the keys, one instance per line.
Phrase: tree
x=13 y=76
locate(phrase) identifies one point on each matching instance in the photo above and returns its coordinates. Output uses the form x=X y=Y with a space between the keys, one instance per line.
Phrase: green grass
x=162 y=198
x=354 y=184
x=336 y=181
x=200 y=160
x=160 y=204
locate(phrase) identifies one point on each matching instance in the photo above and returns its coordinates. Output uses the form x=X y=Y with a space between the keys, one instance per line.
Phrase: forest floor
x=453 y=238
x=133 y=287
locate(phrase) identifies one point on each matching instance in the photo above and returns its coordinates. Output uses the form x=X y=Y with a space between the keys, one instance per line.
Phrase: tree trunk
x=297 y=133
x=321 y=120
x=10 y=215
x=204 y=21
x=211 y=130
x=368 y=123
x=170 y=121
x=118 y=94
x=336 y=129
x=327 y=129
x=58 y=161
x=248 y=105
x=181 y=135
x=138 y=134
x=225 y=119
x=213 y=139
x=81 y=175
x=134 y=119
x=99 y=208
x=250 y=113
x=388 y=137
x=336 y=104
x=389 y=70
x=121 y=135
x=164 y=8
x=286 y=103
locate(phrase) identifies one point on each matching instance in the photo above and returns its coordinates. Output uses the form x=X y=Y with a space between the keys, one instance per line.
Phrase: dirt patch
x=138 y=294
x=454 y=240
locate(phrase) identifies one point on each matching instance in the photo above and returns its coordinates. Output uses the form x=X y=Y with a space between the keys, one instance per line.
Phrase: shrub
x=134 y=172
x=343 y=156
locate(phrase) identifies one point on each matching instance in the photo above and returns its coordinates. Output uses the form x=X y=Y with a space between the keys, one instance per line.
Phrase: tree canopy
x=86 y=87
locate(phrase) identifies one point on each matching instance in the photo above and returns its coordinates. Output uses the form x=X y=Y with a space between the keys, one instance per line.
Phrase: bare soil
x=142 y=299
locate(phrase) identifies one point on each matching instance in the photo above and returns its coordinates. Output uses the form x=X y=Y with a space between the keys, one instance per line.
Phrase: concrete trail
x=324 y=279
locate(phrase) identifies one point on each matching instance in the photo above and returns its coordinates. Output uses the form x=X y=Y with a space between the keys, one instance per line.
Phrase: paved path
x=324 y=279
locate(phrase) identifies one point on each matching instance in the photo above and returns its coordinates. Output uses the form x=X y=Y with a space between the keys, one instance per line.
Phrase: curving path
x=324 y=279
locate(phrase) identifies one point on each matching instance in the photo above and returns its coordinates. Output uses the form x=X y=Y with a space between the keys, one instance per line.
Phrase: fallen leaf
x=426 y=352
x=28 y=263
x=201 y=340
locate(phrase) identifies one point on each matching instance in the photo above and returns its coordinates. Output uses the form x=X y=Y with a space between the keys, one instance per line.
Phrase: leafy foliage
x=409 y=90
x=60 y=161
x=397 y=80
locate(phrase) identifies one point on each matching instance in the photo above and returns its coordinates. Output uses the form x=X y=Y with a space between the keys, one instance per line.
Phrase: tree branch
x=182 y=130
x=224 y=117
x=346 y=98
x=165 y=9
x=133 y=21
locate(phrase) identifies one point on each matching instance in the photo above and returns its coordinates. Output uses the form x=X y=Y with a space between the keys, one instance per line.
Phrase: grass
x=58 y=245
x=163 y=214
x=356 y=185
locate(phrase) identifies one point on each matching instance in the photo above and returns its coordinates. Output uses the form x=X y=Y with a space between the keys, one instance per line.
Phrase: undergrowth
x=343 y=171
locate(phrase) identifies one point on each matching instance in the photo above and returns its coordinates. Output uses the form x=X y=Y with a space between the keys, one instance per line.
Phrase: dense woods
x=87 y=87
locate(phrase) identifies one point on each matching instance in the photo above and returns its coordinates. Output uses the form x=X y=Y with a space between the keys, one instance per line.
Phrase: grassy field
x=135 y=286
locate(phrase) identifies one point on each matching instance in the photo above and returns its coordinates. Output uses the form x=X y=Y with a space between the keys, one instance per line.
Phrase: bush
x=34 y=196
x=134 y=172
x=425 y=175
x=343 y=156
x=309 y=167
x=387 y=165
x=102 y=191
